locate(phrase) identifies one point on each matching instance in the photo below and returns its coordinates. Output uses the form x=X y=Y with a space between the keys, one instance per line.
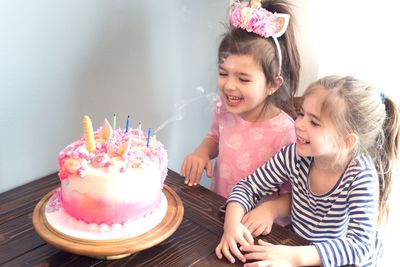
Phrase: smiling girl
x=341 y=170
x=259 y=68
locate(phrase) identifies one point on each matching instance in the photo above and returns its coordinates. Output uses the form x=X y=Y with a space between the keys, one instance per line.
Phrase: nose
x=229 y=83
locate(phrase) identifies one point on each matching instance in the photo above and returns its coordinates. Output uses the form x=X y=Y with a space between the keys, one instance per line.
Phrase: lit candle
x=127 y=124
x=88 y=134
x=148 y=137
x=114 y=121
x=154 y=141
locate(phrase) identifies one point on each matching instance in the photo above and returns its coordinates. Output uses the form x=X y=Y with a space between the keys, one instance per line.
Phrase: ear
x=350 y=141
x=272 y=87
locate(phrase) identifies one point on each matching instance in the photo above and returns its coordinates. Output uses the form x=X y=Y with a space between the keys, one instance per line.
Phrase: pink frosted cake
x=111 y=176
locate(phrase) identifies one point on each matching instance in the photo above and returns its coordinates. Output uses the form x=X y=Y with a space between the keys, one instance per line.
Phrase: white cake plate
x=71 y=236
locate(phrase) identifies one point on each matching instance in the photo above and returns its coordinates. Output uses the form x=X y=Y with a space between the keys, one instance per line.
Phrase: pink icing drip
x=100 y=211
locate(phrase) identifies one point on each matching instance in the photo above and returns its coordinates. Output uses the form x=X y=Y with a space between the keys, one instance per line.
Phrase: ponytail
x=389 y=154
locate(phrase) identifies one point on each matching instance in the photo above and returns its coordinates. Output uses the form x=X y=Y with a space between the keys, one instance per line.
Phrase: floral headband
x=250 y=16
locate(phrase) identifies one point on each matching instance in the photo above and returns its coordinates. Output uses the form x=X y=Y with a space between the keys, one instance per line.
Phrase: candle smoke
x=179 y=107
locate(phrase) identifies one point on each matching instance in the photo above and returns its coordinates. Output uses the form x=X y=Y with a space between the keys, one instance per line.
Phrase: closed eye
x=315 y=124
x=244 y=80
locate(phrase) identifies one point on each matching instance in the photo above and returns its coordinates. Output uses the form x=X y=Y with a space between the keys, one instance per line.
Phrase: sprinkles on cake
x=108 y=148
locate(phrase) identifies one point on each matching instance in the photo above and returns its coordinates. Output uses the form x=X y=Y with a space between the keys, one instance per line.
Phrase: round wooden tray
x=113 y=249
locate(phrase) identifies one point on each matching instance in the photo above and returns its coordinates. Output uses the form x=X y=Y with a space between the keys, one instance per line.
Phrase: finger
x=209 y=169
x=264 y=243
x=245 y=219
x=227 y=253
x=193 y=172
x=183 y=167
x=197 y=179
x=259 y=230
x=251 y=226
x=184 y=171
x=248 y=236
x=199 y=172
x=235 y=250
x=256 y=256
x=259 y=264
x=218 y=251
x=267 y=230
x=253 y=248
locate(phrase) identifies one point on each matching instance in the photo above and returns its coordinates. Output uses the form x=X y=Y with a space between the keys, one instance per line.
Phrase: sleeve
x=213 y=133
x=358 y=246
x=265 y=180
x=288 y=138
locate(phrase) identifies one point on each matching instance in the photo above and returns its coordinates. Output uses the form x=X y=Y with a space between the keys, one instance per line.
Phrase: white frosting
x=110 y=184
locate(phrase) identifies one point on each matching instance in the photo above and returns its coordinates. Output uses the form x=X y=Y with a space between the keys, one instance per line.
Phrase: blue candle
x=127 y=124
x=148 y=137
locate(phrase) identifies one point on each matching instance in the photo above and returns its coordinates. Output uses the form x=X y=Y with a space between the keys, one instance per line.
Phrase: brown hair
x=374 y=118
x=264 y=51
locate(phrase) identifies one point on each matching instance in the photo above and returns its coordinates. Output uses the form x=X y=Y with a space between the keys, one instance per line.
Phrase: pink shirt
x=244 y=146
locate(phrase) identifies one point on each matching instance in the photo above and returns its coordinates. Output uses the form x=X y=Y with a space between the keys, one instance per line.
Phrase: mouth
x=301 y=140
x=233 y=100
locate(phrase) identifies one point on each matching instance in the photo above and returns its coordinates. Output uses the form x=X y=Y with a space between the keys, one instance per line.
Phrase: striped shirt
x=340 y=223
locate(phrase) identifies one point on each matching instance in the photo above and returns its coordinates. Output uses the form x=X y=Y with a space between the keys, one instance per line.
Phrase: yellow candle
x=88 y=134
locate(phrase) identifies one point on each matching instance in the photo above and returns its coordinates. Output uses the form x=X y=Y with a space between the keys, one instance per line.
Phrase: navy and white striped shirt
x=340 y=223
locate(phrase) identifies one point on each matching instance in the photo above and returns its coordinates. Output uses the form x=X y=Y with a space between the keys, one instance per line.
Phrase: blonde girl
x=341 y=171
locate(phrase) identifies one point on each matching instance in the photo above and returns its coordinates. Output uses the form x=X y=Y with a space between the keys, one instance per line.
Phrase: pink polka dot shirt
x=244 y=146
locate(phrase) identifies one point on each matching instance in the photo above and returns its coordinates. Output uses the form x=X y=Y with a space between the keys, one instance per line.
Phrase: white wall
x=62 y=59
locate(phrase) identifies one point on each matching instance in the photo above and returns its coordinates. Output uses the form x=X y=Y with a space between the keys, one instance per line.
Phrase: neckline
x=330 y=191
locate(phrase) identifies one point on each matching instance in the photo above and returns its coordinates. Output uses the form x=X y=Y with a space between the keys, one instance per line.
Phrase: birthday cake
x=111 y=176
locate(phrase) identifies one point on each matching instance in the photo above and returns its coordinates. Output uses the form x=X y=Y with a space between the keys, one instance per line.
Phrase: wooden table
x=192 y=244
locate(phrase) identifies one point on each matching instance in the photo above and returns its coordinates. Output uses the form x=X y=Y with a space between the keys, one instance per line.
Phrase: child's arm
x=259 y=220
x=194 y=164
x=280 y=255
x=234 y=233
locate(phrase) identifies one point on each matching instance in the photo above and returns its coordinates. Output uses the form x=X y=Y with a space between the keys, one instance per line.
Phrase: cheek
x=220 y=84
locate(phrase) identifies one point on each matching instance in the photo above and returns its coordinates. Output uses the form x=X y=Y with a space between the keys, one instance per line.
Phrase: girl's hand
x=259 y=220
x=266 y=254
x=193 y=166
x=234 y=234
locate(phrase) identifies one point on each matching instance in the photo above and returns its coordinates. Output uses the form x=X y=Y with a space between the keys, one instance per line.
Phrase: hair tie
x=250 y=16
x=383 y=98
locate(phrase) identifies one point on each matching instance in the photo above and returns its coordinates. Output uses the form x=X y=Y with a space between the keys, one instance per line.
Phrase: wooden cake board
x=110 y=249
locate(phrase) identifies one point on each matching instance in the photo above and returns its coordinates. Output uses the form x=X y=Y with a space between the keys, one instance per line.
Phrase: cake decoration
x=106 y=131
x=111 y=175
x=88 y=131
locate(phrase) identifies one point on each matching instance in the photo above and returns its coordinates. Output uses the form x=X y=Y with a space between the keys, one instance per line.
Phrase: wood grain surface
x=192 y=244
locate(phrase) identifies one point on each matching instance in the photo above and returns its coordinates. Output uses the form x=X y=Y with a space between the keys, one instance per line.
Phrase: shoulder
x=287 y=154
x=361 y=164
x=282 y=116
x=361 y=172
x=282 y=122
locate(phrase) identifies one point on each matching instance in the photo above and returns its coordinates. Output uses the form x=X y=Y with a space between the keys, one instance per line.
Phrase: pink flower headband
x=250 y=16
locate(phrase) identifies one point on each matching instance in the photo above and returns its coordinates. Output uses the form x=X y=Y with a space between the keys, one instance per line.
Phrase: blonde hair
x=359 y=109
